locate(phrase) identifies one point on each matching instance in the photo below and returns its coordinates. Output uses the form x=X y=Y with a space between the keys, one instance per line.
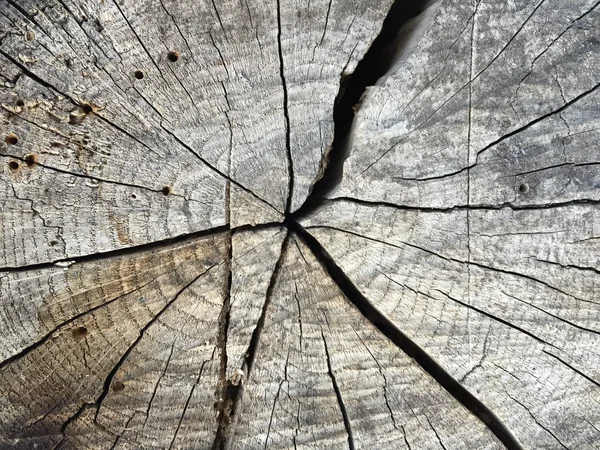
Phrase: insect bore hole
x=118 y=386
x=138 y=74
x=166 y=190
x=524 y=188
x=80 y=332
x=11 y=139
x=31 y=159
x=173 y=56
x=87 y=109
x=20 y=103
x=14 y=165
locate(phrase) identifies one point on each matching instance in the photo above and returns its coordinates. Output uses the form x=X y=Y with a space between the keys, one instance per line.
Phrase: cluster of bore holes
x=30 y=159
x=172 y=56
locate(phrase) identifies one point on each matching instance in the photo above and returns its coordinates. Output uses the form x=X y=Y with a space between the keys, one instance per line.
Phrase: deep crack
x=405 y=343
x=376 y=63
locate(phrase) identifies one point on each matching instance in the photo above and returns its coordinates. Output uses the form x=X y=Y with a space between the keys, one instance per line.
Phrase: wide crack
x=376 y=63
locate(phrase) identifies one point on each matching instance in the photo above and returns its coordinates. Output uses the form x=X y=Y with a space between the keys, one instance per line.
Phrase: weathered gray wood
x=189 y=260
x=327 y=359
x=508 y=314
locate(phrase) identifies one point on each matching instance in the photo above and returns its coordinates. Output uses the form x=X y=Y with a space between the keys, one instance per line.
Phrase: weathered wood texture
x=285 y=224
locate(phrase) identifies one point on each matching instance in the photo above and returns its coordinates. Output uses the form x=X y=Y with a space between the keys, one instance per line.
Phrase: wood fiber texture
x=293 y=224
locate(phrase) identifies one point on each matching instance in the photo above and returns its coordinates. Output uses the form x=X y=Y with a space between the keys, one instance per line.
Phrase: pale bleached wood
x=251 y=94
x=426 y=129
x=253 y=260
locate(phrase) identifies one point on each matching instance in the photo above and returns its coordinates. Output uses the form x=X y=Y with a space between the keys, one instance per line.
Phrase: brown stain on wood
x=121 y=228
x=87 y=311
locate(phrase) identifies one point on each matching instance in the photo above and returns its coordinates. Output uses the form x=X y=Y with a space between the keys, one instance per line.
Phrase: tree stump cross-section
x=280 y=224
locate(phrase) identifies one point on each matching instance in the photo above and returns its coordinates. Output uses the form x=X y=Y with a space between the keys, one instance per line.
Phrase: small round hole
x=30 y=35
x=524 y=188
x=20 y=103
x=138 y=74
x=30 y=159
x=173 y=56
x=166 y=190
x=87 y=109
x=133 y=196
x=14 y=165
x=118 y=386
x=80 y=332
x=11 y=139
x=53 y=243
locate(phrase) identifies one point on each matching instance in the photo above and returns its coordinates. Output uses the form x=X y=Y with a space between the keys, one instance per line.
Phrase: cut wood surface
x=281 y=224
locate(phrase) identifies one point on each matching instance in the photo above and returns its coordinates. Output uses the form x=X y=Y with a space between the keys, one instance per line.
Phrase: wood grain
x=282 y=224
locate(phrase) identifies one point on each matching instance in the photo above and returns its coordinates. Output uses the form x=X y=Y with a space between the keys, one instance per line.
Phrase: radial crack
x=338 y=395
x=375 y=64
x=286 y=114
x=233 y=391
x=406 y=344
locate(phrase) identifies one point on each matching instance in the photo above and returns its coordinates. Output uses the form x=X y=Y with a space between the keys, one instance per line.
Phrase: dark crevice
x=286 y=115
x=338 y=394
x=400 y=339
x=224 y=390
x=225 y=316
x=234 y=389
x=138 y=248
x=470 y=207
x=376 y=62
